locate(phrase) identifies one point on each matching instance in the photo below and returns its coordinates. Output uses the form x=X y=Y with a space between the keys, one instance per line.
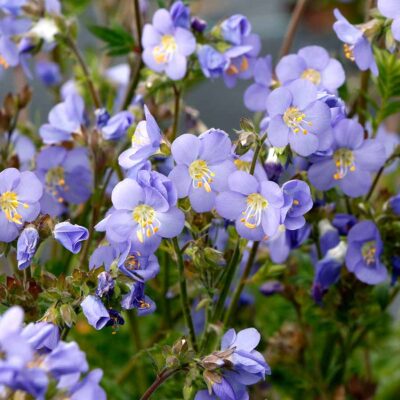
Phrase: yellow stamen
x=201 y=175
x=9 y=204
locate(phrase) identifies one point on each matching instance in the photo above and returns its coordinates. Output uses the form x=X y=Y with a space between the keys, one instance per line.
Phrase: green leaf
x=388 y=80
x=118 y=41
x=267 y=271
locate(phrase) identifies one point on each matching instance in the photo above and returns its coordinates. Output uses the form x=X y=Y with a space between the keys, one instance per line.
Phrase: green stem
x=257 y=153
x=95 y=96
x=183 y=292
x=242 y=282
x=177 y=96
x=231 y=270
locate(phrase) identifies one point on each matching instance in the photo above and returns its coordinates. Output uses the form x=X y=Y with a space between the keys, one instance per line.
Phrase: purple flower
x=313 y=64
x=390 y=141
x=95 y=312
x=285 y=240
x=298 y=118
x=255 y=206
x=180 y=14
x=394 y=203
x=203 y=165
x=9 y=54
x=145 y=142
x=138 y=267
x=235 y=28
x=66 y=359
x=20 y=193
x=71 y=236
x=103 y=256
x=198 y=24
x=336 y=106
x=166 y=46
x=138 y=300
x=391 y=10
x=212 y=62
x=344 y=222
x=356 y=46
x=364 y=252
x=242 y=60
x=42 y=336
x=327 y=271
x=105 y=284
x=66 y=175
x=298 y=201
x=52 y=6
x=248 y=364
x=49 y=73
x=65 y=119
x=26 y=247
x=255 y=97
x=145 y=211
x=88 y=388
x=270 y=288
x=12 y=6
x=116 y=126
x=350 y=163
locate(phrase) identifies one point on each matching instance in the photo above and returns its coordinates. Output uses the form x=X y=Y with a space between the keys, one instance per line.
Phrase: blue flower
x=256 y=95
x=71 y=236
x=203 y=165
x=364 y=252
x=145 y=142
x=138 y=300
x=298 y=118
x=313 y=64
x=391 y=10
x=394 y=203
x=65 y=119
x=167 y=46
x=20 y=193
x=95 y=312
x=115 y=127
x=67 y=178
x=212 y=62
x=26 y=247
x=235 y=28
x=144 y=212
x=350 y=162
x=254 y=205
x=105 y=284
x=180 y=14
x=298 y=201
x=356 y=46
x=49 y=73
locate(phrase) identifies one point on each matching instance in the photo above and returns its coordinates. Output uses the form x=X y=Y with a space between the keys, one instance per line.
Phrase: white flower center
x=344 y=161
x=145 y=217
x=165 y=51
x=9 y=204
x=201 y=175
x=296 y=120
x=253 y=213
x=312 y=75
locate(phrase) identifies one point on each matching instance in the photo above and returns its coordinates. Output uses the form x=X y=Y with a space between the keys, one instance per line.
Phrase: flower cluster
x=35 y=358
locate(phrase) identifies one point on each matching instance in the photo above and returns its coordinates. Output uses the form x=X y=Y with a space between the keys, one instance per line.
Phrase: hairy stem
x=184 y=295
x=161 y=378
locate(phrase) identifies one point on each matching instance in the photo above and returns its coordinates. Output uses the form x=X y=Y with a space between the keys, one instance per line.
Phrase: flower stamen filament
x=296 y=120
x=148 y=223
x=252 y=215
x=201 y=175
x=9 y=204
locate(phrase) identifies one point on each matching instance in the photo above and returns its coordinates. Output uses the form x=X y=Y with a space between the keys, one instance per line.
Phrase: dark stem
x=242 y=282
x=95 y=96
x=293 y=24
x=161 y=378
x=135 y=75
x=177 y=96
x=362 y=100
x=184 y=296
x=374 y=183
